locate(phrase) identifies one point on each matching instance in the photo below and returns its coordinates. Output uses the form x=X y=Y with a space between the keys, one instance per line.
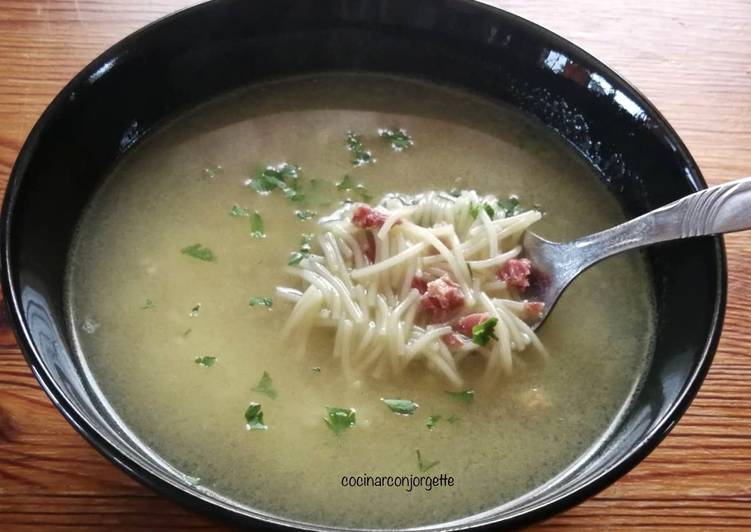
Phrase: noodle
x=437 y=258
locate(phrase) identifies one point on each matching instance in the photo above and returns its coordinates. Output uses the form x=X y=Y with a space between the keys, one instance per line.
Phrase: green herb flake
x=212 y=172
x=187 y=332
x=424 y=466
x=465 y=396
x=456 y=192
x=432 y=422
x=284 y=176
x=205 y=361
x=296 y=258
x=360 y=154
x=239 y=212
x=453 y=419
x=510 y=206
x=289 y=172
x=474 y=209
x=264 y=184
x=483 y=332
x=347 y=183
x=197 y=251
x=316 y=369
x=404 y=407
x=265 y=386
x=294 y=194
x=258 y=301
x=398 y=138
x=256 y=226
x=305 y=214
x=339 y=419
x=304 y=252
x=148 y=304
x=254 y=417
x=195 y=310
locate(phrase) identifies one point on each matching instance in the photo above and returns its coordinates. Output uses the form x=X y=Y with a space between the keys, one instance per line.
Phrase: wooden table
x=693 y=62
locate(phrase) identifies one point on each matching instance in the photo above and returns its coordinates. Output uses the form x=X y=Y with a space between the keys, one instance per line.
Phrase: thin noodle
x=381 y=324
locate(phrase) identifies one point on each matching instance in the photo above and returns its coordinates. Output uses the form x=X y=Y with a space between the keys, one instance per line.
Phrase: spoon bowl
x=722 y=209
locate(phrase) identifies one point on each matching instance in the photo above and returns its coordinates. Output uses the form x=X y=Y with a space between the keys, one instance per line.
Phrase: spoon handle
x=721 y=209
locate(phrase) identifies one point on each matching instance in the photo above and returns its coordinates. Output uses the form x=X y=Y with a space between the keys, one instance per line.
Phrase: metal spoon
x=721 y=209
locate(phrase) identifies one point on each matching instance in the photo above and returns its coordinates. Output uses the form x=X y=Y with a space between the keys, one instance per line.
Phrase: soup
x=172 y=297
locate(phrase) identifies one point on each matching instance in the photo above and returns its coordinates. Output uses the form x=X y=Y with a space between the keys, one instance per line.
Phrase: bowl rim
x=595 y=482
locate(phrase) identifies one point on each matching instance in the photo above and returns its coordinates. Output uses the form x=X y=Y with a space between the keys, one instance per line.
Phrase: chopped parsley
x=294 y=194
x=296 y=257
x=453 y=419
x=304 y=252
x=197 y=251
x=265 y=386
x=432 y=422
x=258 y=301
x=510 y=206
x=187 y=332
x=239 y=212
x=195 y=310
x=424 y=466
x=254 y=417
x=256 y=226
x=404 y=407
x=211 y=172
x=398 y=138
x=339 y=419
x=456 y=192
x=305 y=214
x=483 y=332
x=285 y=177
x=465 y=396
x=348 y=184
x=361 y=156
x=316 y=369
x=474 y=209
x=264 y=183
x=148 y=304
x=205 y=361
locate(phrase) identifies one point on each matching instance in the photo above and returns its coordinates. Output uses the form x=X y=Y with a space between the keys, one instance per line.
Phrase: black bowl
x=212 y=48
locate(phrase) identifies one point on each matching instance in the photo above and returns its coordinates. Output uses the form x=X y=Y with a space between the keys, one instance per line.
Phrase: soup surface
x=178 y=351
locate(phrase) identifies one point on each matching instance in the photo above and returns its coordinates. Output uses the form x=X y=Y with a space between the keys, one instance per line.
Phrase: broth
x=131 y=293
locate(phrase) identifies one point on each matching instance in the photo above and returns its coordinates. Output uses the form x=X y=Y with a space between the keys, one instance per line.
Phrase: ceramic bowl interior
x=194 y=55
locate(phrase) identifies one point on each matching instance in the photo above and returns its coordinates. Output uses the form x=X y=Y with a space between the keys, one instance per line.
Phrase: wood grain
x=692 y=60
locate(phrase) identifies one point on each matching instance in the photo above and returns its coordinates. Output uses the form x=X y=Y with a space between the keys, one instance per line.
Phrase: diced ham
x=516 y=273
x=452 y=340
x=465 y=324
x=533 y=309
x=370 y=248
x=442 y=296
x=366 y=217
x=420 y=284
